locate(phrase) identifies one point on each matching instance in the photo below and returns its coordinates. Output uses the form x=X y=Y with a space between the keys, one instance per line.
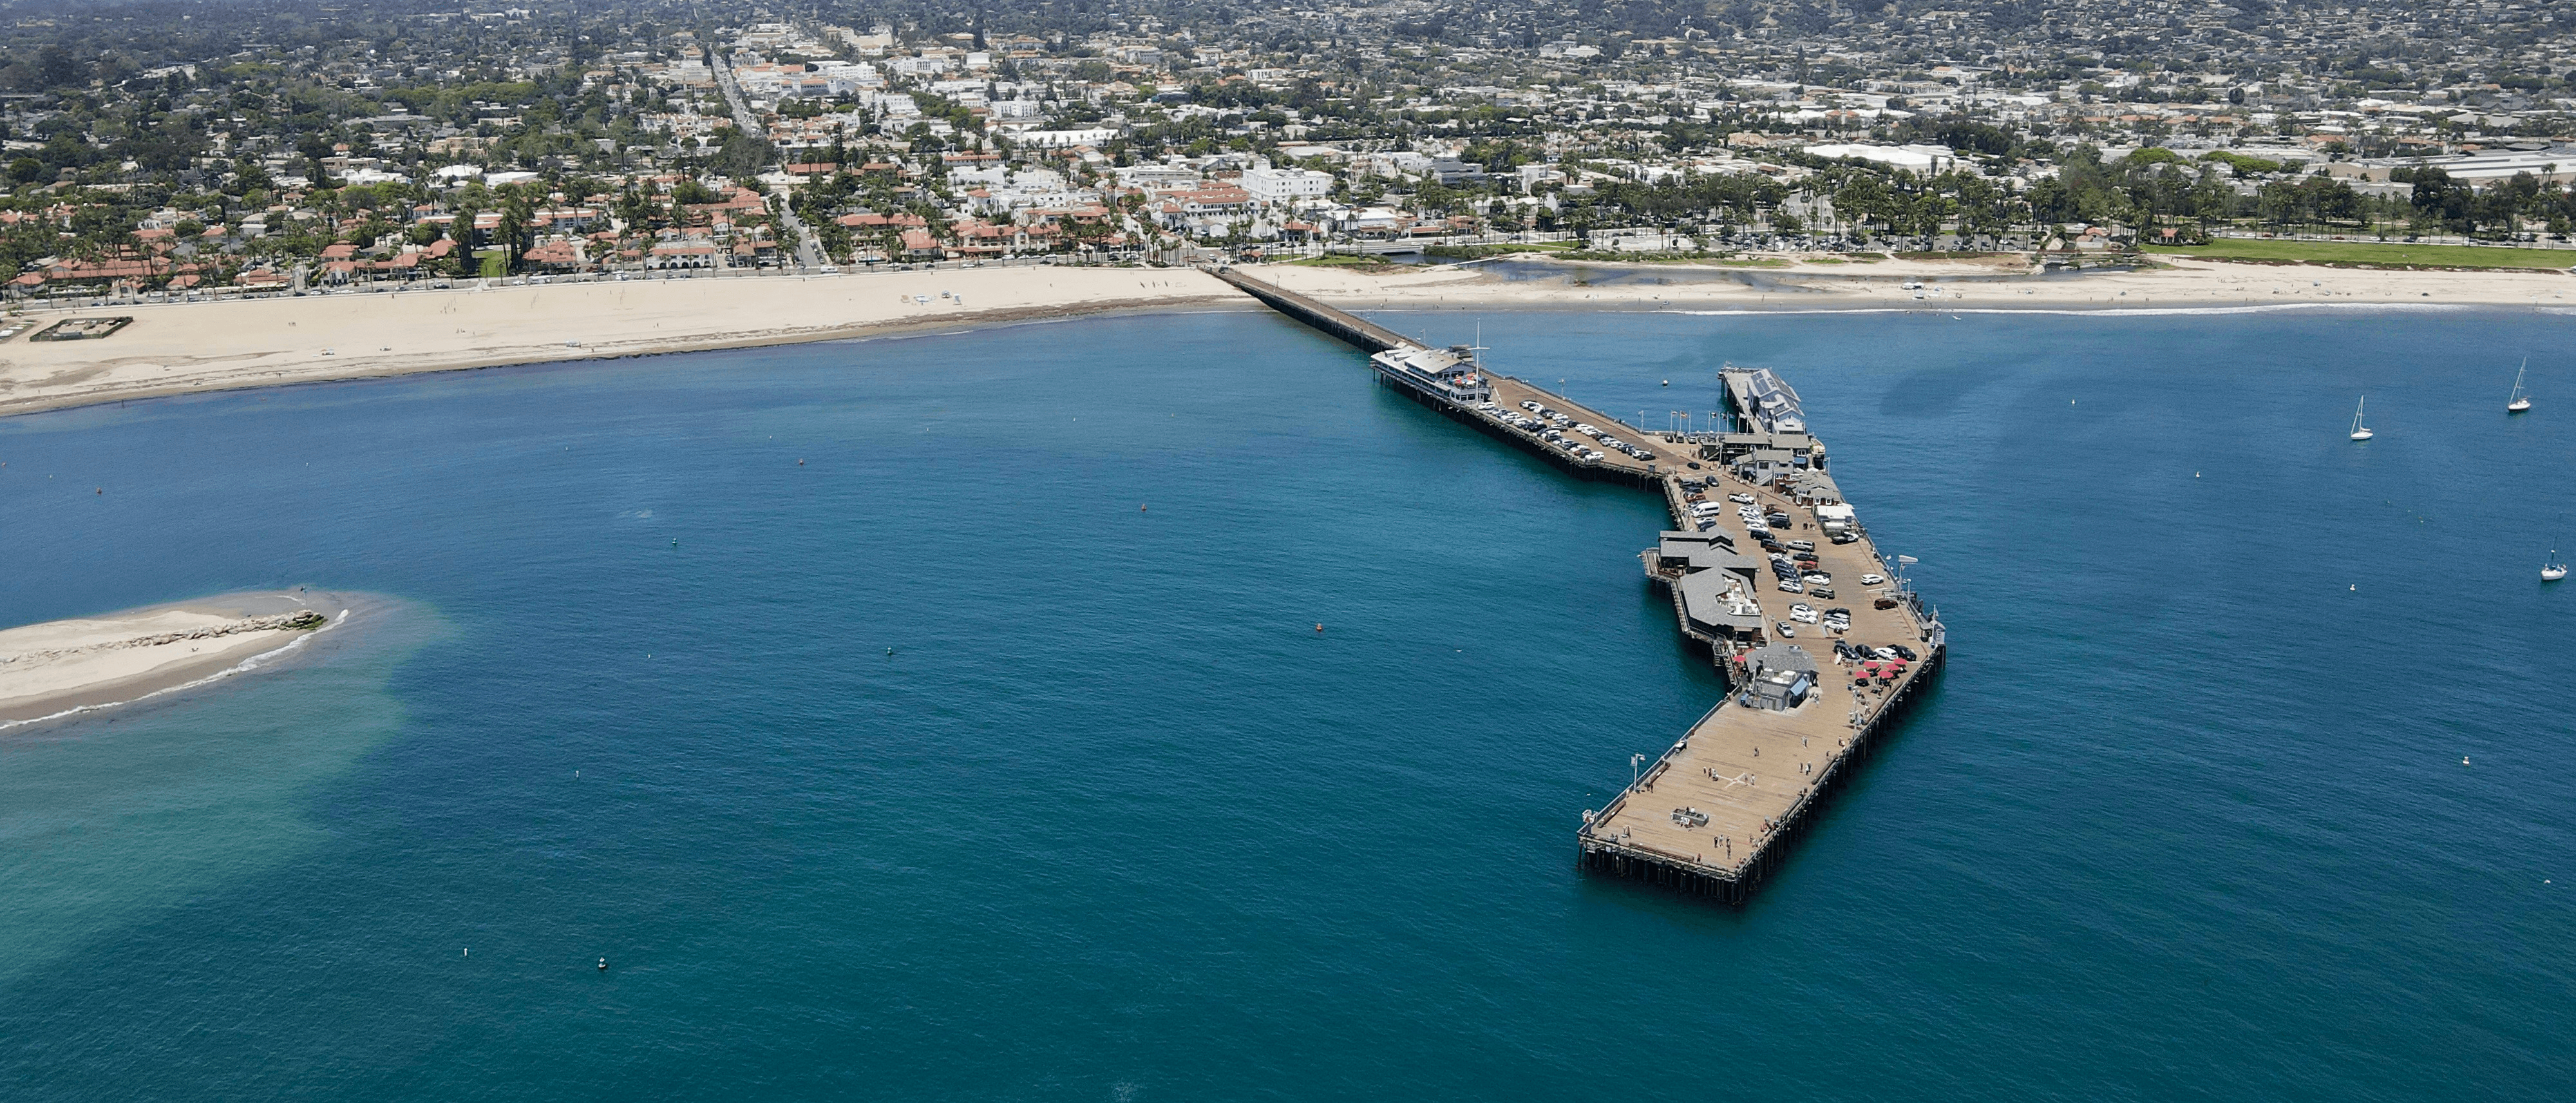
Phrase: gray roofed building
x=1705 y=551
x=1778 y=656
x=1719 y=604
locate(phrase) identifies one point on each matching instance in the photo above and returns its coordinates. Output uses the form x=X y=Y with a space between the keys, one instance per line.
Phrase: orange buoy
x=1319 y=628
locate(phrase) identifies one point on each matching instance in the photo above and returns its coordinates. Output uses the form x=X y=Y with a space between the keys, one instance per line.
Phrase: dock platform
x=1757 y=523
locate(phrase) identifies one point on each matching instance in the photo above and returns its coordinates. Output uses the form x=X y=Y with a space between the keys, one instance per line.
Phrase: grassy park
x=2371 y=254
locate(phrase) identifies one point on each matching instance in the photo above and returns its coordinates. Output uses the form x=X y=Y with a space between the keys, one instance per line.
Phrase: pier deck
x=1754 y=772
x=1711 y=813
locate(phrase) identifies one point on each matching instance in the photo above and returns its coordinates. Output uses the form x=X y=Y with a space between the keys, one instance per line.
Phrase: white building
x=1065 y=139
x=1286 y=185
x=1923 y=160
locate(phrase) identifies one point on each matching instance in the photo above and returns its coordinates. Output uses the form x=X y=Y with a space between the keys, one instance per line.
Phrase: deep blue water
x=2186 y=817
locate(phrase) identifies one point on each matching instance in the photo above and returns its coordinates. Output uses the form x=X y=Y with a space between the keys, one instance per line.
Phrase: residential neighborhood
x=374 y=145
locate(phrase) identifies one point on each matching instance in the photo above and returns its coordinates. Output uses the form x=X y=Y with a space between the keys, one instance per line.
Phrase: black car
x=1903 y=652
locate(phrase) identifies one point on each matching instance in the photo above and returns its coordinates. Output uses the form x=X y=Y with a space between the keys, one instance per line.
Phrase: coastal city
x=184 y=150
x=1149 y=550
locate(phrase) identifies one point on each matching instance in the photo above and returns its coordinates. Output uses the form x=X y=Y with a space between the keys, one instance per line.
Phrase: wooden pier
x=1713 y=812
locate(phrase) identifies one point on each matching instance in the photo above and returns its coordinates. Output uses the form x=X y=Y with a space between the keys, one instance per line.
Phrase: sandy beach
x=58 y=667
x=2002 y=284
x=188 y=348
x=197 y=347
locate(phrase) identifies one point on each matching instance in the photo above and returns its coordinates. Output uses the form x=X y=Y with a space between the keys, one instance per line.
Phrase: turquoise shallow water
x=2185 y=818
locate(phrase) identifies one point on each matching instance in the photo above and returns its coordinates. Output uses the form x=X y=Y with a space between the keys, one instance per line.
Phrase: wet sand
x=63 y=667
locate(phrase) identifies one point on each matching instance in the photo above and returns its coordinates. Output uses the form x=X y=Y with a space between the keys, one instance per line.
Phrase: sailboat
x=2519 y=402
x=2360 y=431
x=2553 y=568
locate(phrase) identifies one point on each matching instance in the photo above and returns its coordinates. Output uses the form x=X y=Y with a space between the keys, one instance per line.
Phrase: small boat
x=2553 y=568
x=2360 y=431
x=2519 y=401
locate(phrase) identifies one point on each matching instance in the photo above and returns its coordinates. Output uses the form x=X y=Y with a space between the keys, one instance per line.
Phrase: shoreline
x=199 y=348
x=110 y=666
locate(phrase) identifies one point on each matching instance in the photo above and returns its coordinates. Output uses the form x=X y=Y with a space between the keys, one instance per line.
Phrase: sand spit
x=64 y=667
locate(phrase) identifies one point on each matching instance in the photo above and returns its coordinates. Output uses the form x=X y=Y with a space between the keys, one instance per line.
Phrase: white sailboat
x=2553 y=568
x=2519 y=402
x=2360 y=431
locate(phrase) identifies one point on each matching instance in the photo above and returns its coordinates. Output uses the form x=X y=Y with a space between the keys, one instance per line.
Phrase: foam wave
x=246 y=665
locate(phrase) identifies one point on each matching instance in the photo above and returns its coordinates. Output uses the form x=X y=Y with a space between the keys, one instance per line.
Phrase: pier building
x=1762 y=551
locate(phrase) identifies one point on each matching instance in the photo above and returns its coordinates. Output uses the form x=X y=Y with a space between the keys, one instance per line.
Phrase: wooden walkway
x=1711 y=813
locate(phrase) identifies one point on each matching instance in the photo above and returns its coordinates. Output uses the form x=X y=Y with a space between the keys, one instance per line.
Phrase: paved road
x=808 y=253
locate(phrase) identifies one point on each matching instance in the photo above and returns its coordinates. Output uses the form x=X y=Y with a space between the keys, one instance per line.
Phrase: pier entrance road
x=1509 y=393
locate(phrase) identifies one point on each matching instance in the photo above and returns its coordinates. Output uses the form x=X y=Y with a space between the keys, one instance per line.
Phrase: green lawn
x=1480 y=252
x=1343 y=260
x=2370 y=254
x=495 y=263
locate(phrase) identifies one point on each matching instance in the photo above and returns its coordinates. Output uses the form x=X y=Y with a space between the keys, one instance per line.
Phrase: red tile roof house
x=743 y=200
x=80 y=273
x=983 y=239
x=872 y=221
x=918 y=245
x=556 y=256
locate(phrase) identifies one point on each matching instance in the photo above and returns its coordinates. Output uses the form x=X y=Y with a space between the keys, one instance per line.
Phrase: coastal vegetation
x=2366 y=254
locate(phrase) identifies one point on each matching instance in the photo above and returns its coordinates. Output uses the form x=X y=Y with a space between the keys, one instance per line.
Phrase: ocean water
x=946 y=718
